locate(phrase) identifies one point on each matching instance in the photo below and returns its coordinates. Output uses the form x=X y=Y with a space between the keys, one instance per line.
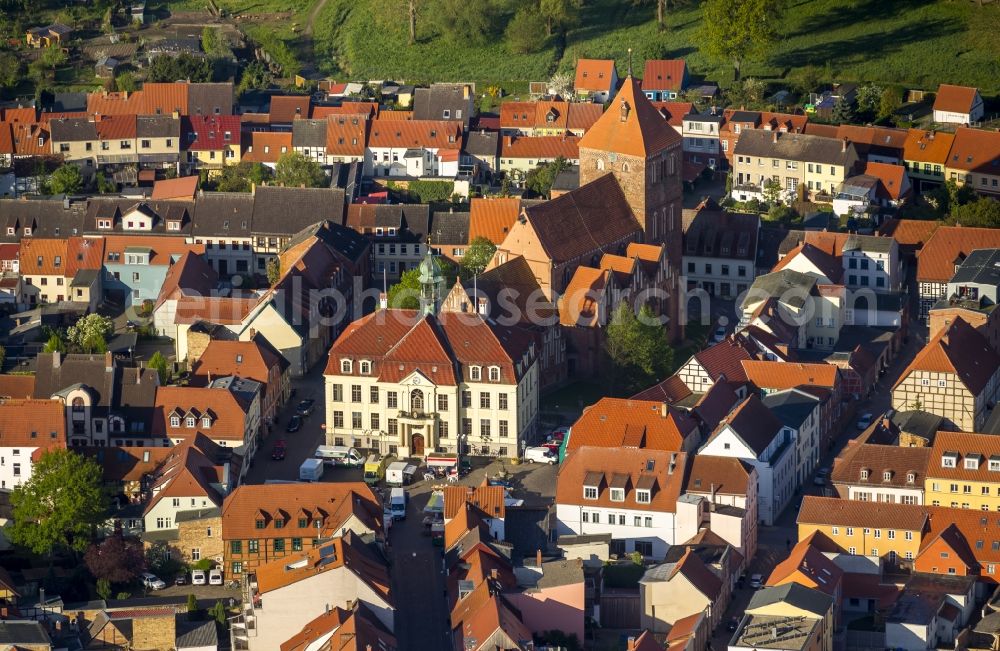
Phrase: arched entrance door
x=417 y=445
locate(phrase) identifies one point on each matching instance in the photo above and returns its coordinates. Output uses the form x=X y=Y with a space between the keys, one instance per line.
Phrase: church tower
x=433 y=285
x=632 y=141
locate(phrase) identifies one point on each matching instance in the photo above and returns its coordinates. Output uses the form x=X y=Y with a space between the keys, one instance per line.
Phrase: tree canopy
x=165 y=68
x=91 y=332
x=162 y=367
x=468 y=22
x=983 y=212
x=540 y=179
x=239 y=178
x=637 y=348
x=477 y=256
x=66 y=179
x=60 y=504
x=740 y=30
x=405 y=294
x=295 y=169
x=115 y=559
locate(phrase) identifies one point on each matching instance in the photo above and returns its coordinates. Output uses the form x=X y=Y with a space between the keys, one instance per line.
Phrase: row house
x=801 y=414
x=673 y=590
x=548 y=118
x=880 y=186
x=445 y=101
x=631 y=496
x=57 y=270
x=941 y=255
x=925 y=156
x=254 y=360
x=873 y=144
x=181 y=97
x=137 y=266
x=790 y=159
x=867 y=261
x=739 y=121
x=227 y=412
x=194 y=479
x=289 y=593
x=267 y=147
x=106 y=139
x=701 y=138
x=673 y=113
x=211 y=141
x=413 y=149
x=956 y=376
x=479 y=157
x=664 y=79
x=972 y=295
x=870 y=472
x=347 y=138
x=807 y=565
x=974 y=161
x=398 y=236
x=352 y=629
x=644 y=424
x=753 y=434
x=191 y=276
x=595 y=80
x=408 y=385
x=30 y=428
x=106 y=404
x=263 y=523
x=309 y=139
x=521 y=154
x=720 y=249
x=804 y=616
x=963 y=471
x=223 y=228
x=728 y=484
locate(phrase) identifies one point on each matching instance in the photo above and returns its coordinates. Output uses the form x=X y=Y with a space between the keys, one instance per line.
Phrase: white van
x=340 y=455
x=397 y=503
x=198 y=577
x=394 y=474
x=215 y=577
x=311 y=470
x=540 y=455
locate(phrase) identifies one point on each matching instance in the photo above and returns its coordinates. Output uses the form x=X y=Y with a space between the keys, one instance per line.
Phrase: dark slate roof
x=872 y=243
x=67 y=102
x=430 y=103
x=753 y=423
x=794 y=594
x=72 y=130
x=745 y=116
x=161 y=211
x=157 y=126
x=450 y=228
x=346 y=241
x=483 y=144
x=227 y=214
x=283 y=211
x=791 y=407
x=769 y=241
x=568 y=179
x=210 y=98
x=795 y=146
x=196 y=635
x=22 y=633
x=710 y=231
x=309 y=133
x=926 y=424
x=46 y=217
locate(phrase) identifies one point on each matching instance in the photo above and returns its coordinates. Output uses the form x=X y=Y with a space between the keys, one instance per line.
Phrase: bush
x=430 y=191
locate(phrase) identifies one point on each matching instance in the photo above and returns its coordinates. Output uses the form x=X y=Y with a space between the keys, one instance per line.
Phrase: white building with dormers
x=417 y=382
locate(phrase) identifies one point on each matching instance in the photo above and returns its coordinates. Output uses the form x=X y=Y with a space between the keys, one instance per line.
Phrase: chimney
x=109 y=362
x=843 y=145
x=538 y=557
x=56 y=359
x=664 y=410
x=383 y=301
x=631 y=644
x=774 y=137
x=482 y=306
x=493 y=573
x=712 y=491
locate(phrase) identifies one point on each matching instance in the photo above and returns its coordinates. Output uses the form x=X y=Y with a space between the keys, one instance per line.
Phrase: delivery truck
x=400 y=473
x=339 y=455
x=375 y=468
x=311 y=470
x=397 y=503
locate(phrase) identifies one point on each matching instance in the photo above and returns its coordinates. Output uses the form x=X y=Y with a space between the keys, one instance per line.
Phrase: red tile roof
x=42 y=257
x=83 y=253
x=670 y=391
x=21 y=114
x=267 y=147
x=581 y=301
x=488 y=499
x=163 y=249
x=31 y=139
x=975 y=150
x=540 y=147
x=928 y=146
x=909 y=232
x=954 y=99
x=832 y=511
x=627 y=468
x=619 y=422
x=346 y=135
x=890 y=178
x=6 y=139
x=285 y=108
x=663 y=74
x=247 y=359
x=17 y=386
x=693 y=568
x=184 y=187
x=948 y=246
x=594 y=74
x=725 y=359
x=165 y=98
x=227 y=414
x=724 y=475
x=210 y=132
x=808 y=566
x=115 y=127
x=33 y=424
x=642 y=133
x=958 y=349
x=788 y=375
x=402 y=134
x=879 y=459
x=492 y=217
x=966 y=444
x=673 y=112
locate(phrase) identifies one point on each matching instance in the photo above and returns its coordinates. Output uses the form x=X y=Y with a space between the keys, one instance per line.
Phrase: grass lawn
x=573 y=396
x=889 y=41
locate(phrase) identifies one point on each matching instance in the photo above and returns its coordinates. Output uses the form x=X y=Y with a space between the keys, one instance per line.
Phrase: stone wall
x=154 y=633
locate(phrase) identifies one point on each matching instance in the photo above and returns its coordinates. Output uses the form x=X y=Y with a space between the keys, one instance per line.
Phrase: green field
x=913 y=43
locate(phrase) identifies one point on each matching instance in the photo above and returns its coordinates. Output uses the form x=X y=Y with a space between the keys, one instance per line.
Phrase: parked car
x=540 y=455
x=305 y=407
x=756 y=581
x=198 y=577
x=215 y=577
x=278 y=452
x=152 y=581
x=864 y=422
x=180 y=579
x=294 y=424
x=558 y=434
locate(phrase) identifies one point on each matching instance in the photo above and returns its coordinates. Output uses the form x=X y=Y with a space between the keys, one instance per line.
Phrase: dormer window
x=911 y=477
x=864 y=474
x=617 y=494
x=949 y=460
x=189 y=422
x=476 y=373
x=494 y=374
x=590 y=492
x=173 y=226
x=104 y=223
x=206 y=421
x=346 y=366
x=366 y=367
x=972 y=462
x=260 y=523
x=27 y=230
x=175 y=421
x=642 y=496
x=887 y=475
x=995 y=463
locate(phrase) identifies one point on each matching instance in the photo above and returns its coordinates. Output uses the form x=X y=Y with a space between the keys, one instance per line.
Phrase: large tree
x=464 y=21
x=116 y=559
x=540 y=179
x=295 y=169
x=405 y=294
x=738 y=31
x=411 y=14
x=66 y=179
x=637 y=348
x=10 y=69
x=983 y=212
x=559 y=14
x=239 y=178
x=90 y=334
x=59 y=506
x=477 y=256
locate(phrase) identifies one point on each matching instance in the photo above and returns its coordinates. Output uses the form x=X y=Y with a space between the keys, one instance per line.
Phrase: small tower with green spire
x=433 y=286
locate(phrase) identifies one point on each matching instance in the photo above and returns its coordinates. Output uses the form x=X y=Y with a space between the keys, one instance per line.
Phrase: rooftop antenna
x=630 y=62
